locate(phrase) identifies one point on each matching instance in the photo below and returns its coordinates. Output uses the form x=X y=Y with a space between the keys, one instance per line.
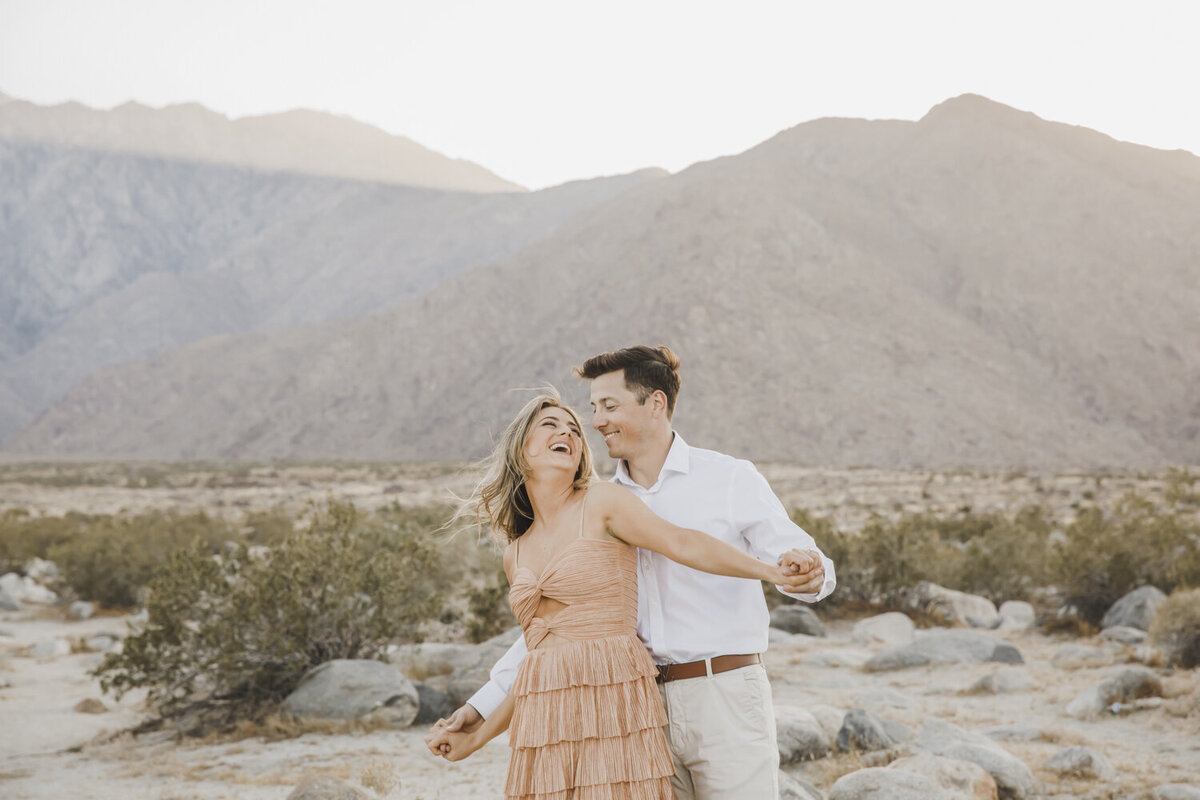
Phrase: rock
x=879 y=783
x=433 y=705
x=1123 y=687
x=795 y=789
x=1081 y=762
x=5 y=683
x=961 y=780
x=836 y=658
x=953 y=606
x=102 y=642
x=326 y=788
x=81 y=609
x=1120 y=633
x=945 y=647
x=25 y=589
x=1175 y=791
x=883 y=698
x=799 y=735
x=8 y=602
x=829 y=718
x=862 y=730
x=1013 y=779
x=797 y=619
x=50 y=648
x=1016 y=615
x=420 y=661
x=91 y=706
x=1002 y=681
x=346 y=689
x=892 y=628
x=1076 y=656
x=41 y=570
x=777 y=637
x=1134 y=610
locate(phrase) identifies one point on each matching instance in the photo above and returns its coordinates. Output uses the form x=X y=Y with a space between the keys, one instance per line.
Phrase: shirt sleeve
x=768 y=530
x=501 y=679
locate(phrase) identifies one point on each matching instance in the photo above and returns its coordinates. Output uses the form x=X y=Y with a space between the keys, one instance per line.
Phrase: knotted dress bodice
x=596 y=581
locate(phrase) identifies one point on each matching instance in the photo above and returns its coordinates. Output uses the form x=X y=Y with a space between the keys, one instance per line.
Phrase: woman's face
x=554 y=441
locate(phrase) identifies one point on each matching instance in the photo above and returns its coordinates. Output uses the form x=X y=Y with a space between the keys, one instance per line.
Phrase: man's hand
x=465 y=719
x=803 y=570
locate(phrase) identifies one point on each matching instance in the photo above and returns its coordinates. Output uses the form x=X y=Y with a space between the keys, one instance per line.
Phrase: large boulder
x=1121 y=688
x=50 y=648
x=953 y=606
x=962 y=780
x=945 y=647
x=1134 y=610
x=1125 y=635
x=1016 y=615
x=81 y=609
x=892 y=628
x=797 y=619
x=863 y=731
x=799 y=735
x=1081 y=762
x=1013 y=779
x=795 y=789
x=349 y=689
x=880 y=783
x=26 y=589
x=434 y=704
x=8 y=602
x=460 y=668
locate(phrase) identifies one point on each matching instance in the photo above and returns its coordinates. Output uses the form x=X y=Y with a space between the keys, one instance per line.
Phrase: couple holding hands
x=639 y=675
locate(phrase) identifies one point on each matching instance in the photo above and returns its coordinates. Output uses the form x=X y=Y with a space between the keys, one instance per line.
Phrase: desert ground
x=48 y=749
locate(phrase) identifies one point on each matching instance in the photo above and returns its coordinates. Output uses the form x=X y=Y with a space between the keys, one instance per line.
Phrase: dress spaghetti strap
x=582 y=511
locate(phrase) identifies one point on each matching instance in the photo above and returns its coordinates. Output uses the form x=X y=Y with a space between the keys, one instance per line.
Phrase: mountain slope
x=304 y=141
x=109 y=257
x=978 y=288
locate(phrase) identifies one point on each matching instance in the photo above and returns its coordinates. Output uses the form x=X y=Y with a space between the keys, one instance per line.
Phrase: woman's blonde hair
x=500 y=500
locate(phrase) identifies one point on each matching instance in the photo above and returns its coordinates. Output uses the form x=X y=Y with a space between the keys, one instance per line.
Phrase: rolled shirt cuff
x=487 y=699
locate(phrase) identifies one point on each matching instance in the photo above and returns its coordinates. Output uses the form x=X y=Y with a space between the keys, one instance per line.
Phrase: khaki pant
x=721 y=733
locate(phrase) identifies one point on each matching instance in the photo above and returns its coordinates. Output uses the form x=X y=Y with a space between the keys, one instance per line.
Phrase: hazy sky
x=544 y=91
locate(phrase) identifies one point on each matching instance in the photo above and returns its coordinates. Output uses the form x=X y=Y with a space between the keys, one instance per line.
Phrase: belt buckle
x=664 y=671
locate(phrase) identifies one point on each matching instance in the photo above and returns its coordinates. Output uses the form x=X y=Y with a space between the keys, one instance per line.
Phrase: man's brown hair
x=647 y=370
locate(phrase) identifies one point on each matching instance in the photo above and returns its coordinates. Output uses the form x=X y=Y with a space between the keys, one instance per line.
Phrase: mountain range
x=978 y=288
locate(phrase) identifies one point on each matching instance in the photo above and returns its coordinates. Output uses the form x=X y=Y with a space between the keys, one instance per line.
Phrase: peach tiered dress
x=587 y=717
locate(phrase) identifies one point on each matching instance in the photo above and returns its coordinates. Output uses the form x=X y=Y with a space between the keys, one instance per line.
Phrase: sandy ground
x=850 y=496
x=48 y=750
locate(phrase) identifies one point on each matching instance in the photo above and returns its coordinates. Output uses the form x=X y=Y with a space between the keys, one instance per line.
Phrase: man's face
x=618 y=415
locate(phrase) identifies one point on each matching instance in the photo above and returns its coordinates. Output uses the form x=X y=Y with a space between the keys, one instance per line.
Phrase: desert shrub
x=23 y=536
x=229 y=636
x=991 y=555
x=110 y=559
x=1102 y=555
x=1176 y=628
x=489 y=610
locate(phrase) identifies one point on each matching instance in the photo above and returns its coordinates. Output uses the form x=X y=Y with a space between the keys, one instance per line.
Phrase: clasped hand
x=804 y=572
x=453 y=738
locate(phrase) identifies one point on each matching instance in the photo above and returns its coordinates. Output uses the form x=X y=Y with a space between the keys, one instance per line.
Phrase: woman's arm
x=629 y=520
x=462 y=745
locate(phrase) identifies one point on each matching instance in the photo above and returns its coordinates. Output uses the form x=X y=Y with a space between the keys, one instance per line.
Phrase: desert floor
x=50 y=750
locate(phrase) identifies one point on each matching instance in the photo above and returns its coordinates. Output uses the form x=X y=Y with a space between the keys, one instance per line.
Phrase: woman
x=584 y=716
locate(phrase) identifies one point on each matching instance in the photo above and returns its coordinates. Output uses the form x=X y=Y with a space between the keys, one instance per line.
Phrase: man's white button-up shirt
x=684 y=614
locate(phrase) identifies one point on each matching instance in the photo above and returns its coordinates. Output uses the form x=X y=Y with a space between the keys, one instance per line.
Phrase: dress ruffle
x=586 y=712
x=589 y=662
x=632 y=758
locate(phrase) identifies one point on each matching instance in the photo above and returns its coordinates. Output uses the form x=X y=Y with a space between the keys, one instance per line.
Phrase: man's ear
x=659 y=403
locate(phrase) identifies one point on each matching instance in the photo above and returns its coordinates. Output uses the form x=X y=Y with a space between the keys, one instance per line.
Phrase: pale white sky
x=544 y=91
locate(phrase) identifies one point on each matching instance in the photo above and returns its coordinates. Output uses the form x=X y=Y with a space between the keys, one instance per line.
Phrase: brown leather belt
x=697 y=669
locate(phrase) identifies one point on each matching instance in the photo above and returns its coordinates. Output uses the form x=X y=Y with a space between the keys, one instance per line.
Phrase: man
x=706 y=632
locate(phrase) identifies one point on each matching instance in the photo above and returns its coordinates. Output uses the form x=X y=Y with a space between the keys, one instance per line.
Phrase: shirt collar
x=679 y=459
